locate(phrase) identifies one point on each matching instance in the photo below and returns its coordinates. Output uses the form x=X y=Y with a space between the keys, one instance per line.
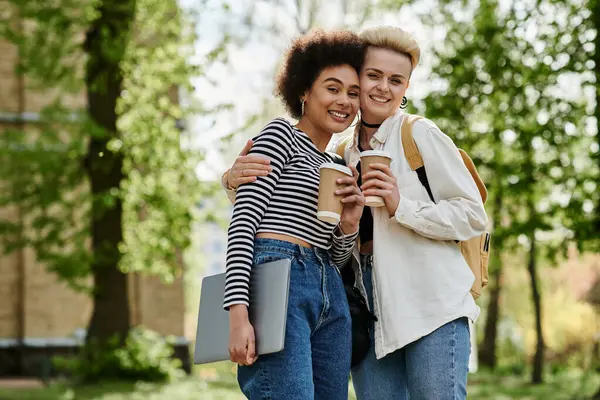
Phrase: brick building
x=40 y=316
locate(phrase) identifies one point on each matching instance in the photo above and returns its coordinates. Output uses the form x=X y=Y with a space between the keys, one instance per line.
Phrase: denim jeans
x=315 y=361
x=432 y=368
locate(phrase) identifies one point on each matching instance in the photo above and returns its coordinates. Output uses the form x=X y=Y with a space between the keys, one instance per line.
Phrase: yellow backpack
x=476 y=251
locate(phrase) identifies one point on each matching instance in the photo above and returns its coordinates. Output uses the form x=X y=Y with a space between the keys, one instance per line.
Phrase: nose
x=343 y=101
x=383 y=86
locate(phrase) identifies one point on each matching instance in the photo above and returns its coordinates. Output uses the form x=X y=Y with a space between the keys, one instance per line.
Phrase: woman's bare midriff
x=285 y=238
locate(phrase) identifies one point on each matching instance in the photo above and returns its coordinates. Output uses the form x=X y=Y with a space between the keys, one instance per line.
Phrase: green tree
x=586 y=224
x=499 y=101
x=114 y=173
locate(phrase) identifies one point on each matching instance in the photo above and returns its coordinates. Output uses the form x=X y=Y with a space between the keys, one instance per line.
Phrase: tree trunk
x=538 y=359
x=105 y=45
x=487 y=352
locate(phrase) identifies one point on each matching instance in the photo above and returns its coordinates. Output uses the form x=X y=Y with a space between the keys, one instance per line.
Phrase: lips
x=337 y=115
x=379 y=99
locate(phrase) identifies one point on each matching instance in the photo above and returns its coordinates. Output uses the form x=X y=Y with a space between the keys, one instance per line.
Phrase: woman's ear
x=306 y=95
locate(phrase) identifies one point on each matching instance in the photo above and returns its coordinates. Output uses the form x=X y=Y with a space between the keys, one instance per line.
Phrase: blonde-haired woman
x=407 y=264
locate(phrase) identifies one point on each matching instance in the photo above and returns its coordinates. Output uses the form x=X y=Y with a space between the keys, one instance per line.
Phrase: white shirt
x=420 y=279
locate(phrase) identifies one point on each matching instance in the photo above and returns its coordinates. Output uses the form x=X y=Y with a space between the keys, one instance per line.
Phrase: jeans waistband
x=291 y=249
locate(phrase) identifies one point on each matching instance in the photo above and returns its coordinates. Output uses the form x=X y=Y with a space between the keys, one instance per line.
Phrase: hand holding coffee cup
x=354 y=202
x=367 y=159
x=330 y=206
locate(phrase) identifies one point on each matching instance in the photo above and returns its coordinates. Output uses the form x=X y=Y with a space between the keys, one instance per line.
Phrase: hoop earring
x=404 y=103
x=302 y=103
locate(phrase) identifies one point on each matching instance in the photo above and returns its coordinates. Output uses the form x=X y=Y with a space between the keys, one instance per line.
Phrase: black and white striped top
x=285 y=202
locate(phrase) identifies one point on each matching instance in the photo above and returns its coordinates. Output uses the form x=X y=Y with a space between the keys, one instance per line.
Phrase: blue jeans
x=315 y=361
x=432 y=368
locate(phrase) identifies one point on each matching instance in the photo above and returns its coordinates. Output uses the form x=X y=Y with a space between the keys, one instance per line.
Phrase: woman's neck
x=366 y=133
x=319 y=137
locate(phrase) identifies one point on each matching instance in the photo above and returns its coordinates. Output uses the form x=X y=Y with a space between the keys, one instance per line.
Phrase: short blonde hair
x=395 y=39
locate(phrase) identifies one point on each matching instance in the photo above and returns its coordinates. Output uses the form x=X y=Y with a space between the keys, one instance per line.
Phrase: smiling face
x=333 y=100
x=384 y=79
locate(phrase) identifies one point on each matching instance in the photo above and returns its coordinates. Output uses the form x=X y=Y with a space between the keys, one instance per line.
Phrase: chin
x=379 y=114
x=337 y=127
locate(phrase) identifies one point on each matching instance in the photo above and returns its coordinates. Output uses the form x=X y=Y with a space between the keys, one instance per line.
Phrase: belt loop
x=366 y=262
x=302 y=251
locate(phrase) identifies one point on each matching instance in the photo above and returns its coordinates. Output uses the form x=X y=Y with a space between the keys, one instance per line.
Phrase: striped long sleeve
x=276 y=141
x=341 y=248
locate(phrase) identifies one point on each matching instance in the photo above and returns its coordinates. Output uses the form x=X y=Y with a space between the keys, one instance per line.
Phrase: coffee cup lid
x=338 y=167
x=378 y=153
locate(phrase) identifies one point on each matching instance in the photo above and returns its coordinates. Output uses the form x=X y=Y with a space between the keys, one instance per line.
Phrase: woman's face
x=384 y=79
x=333 y=100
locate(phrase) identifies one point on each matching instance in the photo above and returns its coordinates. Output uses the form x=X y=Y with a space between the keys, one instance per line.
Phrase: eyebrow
x=381 y=72
x=336 y=80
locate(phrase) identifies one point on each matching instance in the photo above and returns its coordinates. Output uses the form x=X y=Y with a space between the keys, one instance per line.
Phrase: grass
x=217 y=382
x=568 y=385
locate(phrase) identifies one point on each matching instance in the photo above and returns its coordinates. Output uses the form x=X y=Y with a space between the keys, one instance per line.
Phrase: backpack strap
x=473 y=171
x=411 y=152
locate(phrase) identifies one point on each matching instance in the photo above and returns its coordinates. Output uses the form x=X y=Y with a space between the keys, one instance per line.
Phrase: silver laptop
x=269 y=287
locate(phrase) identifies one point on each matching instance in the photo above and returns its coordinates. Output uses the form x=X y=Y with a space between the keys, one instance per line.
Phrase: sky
x=247 y=78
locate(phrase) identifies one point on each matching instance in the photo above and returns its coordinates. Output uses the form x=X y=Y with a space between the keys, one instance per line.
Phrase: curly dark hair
x=308 y=56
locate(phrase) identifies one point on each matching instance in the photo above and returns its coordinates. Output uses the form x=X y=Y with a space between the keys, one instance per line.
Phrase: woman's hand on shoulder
x=247 y=168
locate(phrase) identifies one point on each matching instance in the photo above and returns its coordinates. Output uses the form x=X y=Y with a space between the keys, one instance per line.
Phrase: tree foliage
x=42 y=171
x=498 y=79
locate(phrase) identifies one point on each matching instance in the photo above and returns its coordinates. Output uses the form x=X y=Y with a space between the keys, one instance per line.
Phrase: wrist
x=394 y=207
x=348 y=228
x=238 y=311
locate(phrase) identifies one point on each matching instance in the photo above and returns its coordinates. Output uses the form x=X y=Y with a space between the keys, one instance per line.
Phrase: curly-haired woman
x=275 y=217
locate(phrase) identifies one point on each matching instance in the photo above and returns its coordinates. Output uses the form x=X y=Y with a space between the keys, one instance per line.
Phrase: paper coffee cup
x=330 y=206
x=367 y=158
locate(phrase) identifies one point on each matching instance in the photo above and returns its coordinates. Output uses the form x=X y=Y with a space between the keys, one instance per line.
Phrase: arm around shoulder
x=230 y=192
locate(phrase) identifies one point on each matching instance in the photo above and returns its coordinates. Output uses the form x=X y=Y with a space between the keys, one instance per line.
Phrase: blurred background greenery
x=117 y=117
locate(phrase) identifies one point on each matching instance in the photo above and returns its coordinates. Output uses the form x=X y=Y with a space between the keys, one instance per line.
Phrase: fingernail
x=337 y=192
